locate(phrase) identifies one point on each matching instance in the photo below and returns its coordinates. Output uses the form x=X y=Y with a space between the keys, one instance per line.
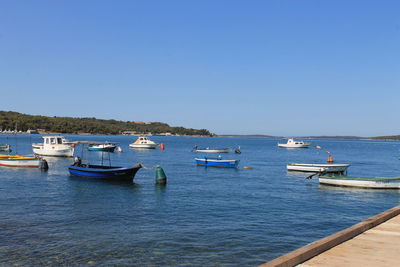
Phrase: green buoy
x=161 y=178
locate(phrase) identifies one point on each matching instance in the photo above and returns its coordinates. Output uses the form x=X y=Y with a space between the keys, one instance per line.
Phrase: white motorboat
x=322 y=168
x=143 y=142
x=54 y=146
x=291 y=143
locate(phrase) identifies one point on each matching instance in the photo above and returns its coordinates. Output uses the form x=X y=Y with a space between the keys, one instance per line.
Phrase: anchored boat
x=362 y=182
x=101 y=172
x=55 y=146
x=107 y=147
x=322 y=168
x=217 y=162
x=21 y=161
x=212 y=150
x=143 y=142
x=291 y=143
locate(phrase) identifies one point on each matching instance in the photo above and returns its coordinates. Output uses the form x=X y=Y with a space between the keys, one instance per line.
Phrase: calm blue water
x=203 y=217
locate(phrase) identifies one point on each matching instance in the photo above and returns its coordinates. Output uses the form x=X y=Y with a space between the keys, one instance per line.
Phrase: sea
x=203 y=216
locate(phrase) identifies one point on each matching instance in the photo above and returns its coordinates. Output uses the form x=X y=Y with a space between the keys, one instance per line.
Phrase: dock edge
x=313 y=249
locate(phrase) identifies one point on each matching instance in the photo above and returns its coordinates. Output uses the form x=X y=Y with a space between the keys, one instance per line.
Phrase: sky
x=287 y=68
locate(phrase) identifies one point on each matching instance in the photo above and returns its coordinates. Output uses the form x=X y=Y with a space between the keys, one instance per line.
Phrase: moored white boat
x=19 y=161
x=143 y=142
x=362 y=182
x=53 y=146
x=326 y=168
x=291 y=143
x=213 y=150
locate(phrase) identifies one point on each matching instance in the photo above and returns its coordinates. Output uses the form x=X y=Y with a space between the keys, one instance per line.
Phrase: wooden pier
x=372 y=242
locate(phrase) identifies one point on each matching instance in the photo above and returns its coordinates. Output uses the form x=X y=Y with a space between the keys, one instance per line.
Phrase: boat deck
x=373 y=242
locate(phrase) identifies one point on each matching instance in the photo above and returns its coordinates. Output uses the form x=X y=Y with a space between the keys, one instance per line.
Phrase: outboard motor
x=43 y=165
x=237 y=151
x=77 y=161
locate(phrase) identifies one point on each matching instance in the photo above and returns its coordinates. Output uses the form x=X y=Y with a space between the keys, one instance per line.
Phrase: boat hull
x=217 y=163
x=103 y=149
x=225 y=150
x=328 y=168
x=293 y=146
x=374 y=183
x=67 y=152
x=144 y=146
x=104 y=173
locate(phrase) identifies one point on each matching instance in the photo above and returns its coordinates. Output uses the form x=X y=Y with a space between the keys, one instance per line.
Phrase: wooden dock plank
x=372 y=242
x=379 y=246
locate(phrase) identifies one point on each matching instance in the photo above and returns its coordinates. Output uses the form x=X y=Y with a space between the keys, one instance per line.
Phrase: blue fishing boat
x=217 y=162
x=101 y=172
x=104 y=172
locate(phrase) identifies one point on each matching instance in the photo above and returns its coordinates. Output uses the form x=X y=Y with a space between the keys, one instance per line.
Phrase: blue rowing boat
x=103 y=172
x=217 y=162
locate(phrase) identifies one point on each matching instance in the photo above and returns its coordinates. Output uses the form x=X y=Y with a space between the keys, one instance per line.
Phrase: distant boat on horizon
x=291 y=143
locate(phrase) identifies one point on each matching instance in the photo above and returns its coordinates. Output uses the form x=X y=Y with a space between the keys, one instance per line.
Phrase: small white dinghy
x=291 y=143
x=322 y=168
x=213 y=150
x=362 y=182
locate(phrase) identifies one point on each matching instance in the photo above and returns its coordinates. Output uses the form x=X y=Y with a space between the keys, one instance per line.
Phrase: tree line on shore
x=10 y=120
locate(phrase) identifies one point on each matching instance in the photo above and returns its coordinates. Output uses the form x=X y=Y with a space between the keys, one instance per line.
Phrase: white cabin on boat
x=53 y=146
x=143 y=142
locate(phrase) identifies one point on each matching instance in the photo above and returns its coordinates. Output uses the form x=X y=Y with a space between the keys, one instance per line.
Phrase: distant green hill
x=391 y=137
x=10 y=120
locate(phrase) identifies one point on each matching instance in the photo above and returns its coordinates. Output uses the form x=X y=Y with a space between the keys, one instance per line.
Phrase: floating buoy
x=162 y=147
x=318 y=147
x=247 y=168
x=330 y=159
x=119 y=149
x=43 y=165
x=161 y=178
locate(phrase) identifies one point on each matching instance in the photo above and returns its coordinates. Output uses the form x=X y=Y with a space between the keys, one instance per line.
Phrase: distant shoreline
x=378 y=138
x=382 y=138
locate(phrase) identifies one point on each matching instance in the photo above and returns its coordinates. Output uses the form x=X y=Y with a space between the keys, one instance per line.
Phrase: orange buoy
x=162 y=147
x=330 y=159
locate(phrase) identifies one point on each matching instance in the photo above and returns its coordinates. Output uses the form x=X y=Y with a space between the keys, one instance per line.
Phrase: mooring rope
x=149 y=168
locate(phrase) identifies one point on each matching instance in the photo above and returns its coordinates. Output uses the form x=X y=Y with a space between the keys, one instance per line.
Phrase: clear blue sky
x=246 y=67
